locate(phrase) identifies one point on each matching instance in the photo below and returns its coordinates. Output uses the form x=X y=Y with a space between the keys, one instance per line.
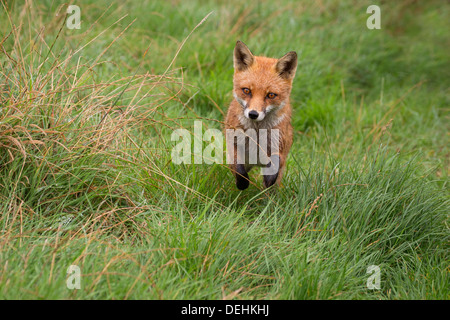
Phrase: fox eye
x=271 y=95
x=246 y=90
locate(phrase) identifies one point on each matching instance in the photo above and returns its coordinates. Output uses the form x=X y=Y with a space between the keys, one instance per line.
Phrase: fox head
x=262 y=85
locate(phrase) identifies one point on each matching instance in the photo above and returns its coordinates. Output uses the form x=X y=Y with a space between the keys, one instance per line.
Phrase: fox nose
x=253 y=114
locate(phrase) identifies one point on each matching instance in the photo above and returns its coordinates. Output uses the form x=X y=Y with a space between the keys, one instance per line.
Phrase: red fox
x=261 y=90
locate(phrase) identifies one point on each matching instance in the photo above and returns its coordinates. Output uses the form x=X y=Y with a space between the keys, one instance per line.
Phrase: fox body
x=261 y=90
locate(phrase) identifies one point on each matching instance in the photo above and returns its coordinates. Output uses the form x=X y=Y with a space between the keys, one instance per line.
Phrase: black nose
x=253 y=114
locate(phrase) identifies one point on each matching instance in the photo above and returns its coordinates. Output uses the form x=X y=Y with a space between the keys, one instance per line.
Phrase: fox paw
x=270 y=180
x=242 y=179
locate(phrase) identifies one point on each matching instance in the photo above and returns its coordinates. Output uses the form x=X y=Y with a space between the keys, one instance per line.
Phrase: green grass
x=86 y=176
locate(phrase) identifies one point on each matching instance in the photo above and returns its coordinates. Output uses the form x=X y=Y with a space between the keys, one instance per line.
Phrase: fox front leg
x=242 y=179
x=272 y=171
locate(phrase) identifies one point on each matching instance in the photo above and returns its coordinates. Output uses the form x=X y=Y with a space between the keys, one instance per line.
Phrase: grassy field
x=86 y=176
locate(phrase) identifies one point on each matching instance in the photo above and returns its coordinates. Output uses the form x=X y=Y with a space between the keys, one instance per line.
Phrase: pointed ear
x=287 y=65
x=243 y=58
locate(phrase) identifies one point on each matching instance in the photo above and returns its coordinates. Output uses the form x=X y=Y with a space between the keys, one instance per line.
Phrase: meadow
x=87 y=179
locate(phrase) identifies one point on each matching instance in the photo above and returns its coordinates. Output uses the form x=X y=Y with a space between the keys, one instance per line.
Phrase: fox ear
x=243 y=58
x=287 y=65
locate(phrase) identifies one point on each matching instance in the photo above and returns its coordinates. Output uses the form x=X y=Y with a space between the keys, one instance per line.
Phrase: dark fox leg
x=275 y=171
x=242 y=180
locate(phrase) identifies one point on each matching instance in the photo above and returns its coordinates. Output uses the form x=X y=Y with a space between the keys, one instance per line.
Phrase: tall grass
x=86 y=176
